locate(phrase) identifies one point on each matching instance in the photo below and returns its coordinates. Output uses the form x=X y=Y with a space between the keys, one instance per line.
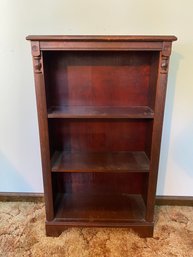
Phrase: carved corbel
x=164 y=64
x=165 y=55
x=37 y=57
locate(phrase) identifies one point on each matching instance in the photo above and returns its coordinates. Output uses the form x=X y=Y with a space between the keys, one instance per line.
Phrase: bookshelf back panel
x=98 y=135
x=100 y=183
x=98 y=78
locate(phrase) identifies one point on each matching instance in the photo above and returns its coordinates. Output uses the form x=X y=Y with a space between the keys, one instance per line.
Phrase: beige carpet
x=22 y=234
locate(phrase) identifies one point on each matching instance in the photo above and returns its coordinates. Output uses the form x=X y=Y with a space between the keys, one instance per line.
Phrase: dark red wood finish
x=133 y=112
x=68 y=161
x=100 y=103
x=99 y=207
x=115 y=79
x=99 y=182
x=98 y=135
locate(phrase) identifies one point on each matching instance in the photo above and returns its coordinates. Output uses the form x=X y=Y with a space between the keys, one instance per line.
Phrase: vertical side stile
x=43 y=127
x=157 y=127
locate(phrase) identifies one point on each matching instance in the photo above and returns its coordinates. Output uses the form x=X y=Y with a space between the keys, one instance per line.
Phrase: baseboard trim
x=21 y=197
x=174 y=200
x=39 y=197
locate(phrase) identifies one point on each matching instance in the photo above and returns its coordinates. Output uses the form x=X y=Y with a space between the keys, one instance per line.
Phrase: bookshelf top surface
x=118 y=38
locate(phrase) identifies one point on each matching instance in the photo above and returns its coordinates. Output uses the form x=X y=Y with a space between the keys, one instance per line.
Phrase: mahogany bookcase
x=100 y=102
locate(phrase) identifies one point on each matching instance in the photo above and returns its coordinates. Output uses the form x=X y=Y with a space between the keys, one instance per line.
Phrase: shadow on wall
x=174 y=66
x=184 y=148
x=14 y=180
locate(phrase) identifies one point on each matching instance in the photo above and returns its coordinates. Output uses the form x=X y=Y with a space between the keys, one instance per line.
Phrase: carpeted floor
x=22 y=234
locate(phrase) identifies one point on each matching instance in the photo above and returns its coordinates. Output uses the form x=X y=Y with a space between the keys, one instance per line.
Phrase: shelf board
x=133 y=112
x=100 y=162
x=99 y=207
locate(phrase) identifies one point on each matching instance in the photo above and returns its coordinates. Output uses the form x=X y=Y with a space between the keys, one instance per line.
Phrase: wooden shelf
x=144 y=112
x=100 y=162
x=99 y=207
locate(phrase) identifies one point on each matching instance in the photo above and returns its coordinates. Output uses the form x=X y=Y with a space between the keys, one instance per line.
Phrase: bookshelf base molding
x=143 y=229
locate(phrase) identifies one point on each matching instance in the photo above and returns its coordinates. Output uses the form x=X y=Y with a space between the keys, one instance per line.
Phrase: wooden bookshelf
x=100 y=102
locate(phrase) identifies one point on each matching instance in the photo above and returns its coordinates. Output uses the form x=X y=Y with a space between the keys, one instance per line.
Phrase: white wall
x=20 y=169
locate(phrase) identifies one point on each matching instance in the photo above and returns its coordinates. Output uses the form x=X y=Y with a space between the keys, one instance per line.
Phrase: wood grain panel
x=89 y=207
x=97 y=78
x=98 y=135
x=100 y=162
